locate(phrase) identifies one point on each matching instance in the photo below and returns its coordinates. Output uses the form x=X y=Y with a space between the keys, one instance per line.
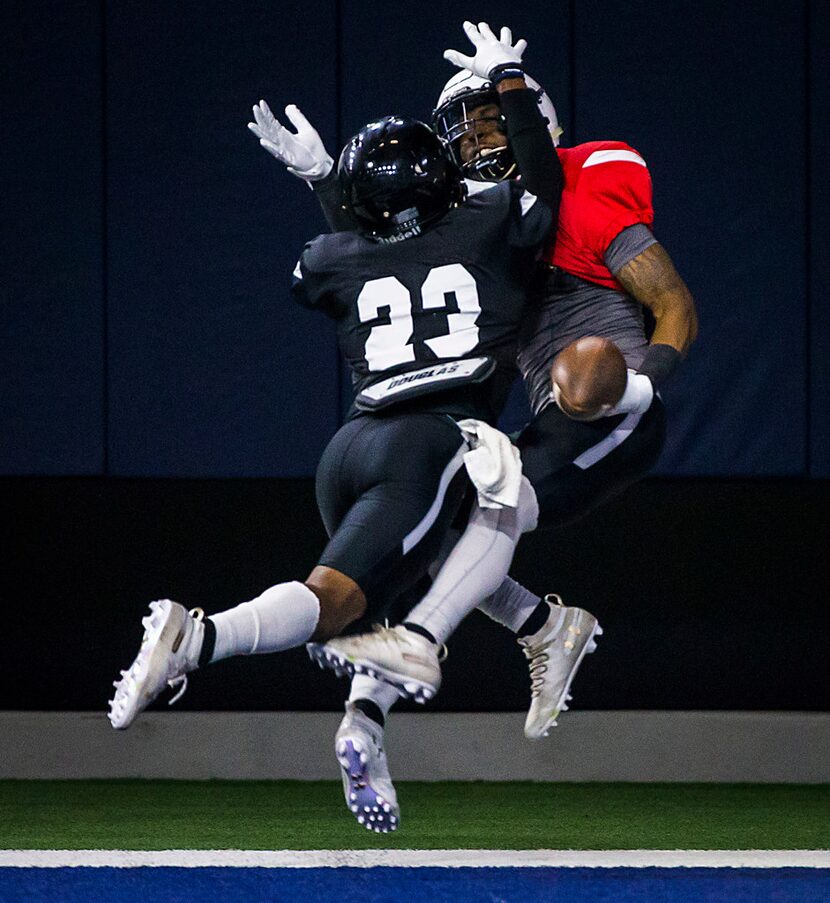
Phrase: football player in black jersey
x=555 y=638
x=428 y=295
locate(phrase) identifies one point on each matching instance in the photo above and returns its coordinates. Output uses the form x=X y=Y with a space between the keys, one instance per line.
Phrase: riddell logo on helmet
x=402 y=236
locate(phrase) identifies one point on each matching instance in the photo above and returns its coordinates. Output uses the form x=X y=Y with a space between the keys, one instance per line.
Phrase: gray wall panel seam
x=808 y=250
x=572 y=69
x=338 y=137
x=105 y=427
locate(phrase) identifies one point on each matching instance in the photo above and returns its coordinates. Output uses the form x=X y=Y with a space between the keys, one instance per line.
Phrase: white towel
x=493 y=464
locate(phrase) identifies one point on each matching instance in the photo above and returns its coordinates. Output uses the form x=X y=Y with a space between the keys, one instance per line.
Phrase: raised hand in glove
x=490 y=52
x=303 y=153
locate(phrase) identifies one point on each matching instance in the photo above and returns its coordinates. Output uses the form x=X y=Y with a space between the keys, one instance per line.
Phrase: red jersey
x=607 y=188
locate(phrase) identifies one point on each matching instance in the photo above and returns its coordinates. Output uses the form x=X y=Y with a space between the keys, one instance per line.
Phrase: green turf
x=146 y=815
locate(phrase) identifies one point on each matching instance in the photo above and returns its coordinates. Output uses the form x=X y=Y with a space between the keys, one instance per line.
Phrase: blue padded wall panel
x=213 y=370
x=713 y=95
x=819 y=241
x=51 y=301
x=393 y=54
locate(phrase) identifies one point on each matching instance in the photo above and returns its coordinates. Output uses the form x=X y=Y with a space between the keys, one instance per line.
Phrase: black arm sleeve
x=327 y=191
x=532 y=147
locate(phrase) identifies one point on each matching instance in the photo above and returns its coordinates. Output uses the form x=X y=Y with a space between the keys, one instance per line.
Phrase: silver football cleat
x=555 y=653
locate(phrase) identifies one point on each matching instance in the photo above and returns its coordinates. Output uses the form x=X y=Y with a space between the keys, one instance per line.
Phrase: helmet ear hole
x=397 y=178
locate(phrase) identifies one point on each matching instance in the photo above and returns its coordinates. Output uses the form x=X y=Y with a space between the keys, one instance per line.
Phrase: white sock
x=282 y=617
x=477 y=565
x=382 y=694
x=511 y=604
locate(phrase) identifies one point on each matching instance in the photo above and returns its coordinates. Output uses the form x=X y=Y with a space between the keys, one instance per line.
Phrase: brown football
x=589 y=375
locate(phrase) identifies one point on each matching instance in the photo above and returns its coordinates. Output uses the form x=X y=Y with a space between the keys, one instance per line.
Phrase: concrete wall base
x=765 y=747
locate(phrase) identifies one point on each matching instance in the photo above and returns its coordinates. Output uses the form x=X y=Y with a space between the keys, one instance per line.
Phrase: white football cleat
x=169 y=649
x=400 y=657
x=555 y=653
x=367 y=786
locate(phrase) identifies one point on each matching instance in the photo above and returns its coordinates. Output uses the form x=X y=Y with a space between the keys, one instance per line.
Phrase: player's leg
x=411 y=486
x=176 y=641
x=575 y=467
x=375 y=697
x=289 y=614
x=407 y=656
x=361 y=753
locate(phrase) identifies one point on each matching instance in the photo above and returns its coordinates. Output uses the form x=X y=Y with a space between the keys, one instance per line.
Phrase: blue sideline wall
x=146 y=323
x=819 y=239
x=52 y=210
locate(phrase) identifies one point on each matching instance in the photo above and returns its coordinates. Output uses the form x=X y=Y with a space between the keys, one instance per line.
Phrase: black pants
x=388 y=489
x=576 y=466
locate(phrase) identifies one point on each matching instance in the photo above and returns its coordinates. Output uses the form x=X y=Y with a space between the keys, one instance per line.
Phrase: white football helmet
x=452 y=118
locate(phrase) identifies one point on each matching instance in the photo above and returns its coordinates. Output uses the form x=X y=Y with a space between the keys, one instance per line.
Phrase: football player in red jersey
x=602 y=270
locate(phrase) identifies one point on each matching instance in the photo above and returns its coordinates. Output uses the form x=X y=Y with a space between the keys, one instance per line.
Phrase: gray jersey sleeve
x=630 y=243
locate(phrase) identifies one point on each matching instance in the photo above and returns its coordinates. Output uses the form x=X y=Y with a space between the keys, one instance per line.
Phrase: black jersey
x=456 y=291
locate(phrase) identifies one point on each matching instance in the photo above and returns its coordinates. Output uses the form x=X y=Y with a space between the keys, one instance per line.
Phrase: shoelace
x=538 y=657
x=198 y=615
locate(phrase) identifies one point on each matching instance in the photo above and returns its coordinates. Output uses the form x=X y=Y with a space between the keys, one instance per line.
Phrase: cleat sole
x=369 y=807
x=344 y=667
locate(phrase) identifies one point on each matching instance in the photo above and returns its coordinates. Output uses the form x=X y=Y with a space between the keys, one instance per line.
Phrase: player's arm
x=617 y=215
x=652 y=279
x=327 y=191
x=499 y=61
x=530 y=142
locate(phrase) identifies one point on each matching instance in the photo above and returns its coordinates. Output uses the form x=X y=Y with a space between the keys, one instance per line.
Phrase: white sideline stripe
x=609 y=443
x=415 y=536
x=610 y=156
x=299 y=859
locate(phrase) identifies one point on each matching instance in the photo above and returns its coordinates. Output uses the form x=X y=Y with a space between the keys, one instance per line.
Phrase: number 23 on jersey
x=391 y=343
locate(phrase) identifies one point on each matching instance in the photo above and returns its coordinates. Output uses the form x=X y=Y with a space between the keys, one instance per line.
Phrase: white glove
x=303 y=153
x=490 y=50
x=637 y=397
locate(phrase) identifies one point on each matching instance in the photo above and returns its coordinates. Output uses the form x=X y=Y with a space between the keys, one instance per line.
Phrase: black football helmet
x=397 y=178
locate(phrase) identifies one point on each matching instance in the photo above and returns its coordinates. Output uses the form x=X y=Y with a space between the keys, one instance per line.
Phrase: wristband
x=659 y=363
x=505 y=70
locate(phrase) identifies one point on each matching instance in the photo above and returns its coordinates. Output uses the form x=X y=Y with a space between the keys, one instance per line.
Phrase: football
x=588 y=377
